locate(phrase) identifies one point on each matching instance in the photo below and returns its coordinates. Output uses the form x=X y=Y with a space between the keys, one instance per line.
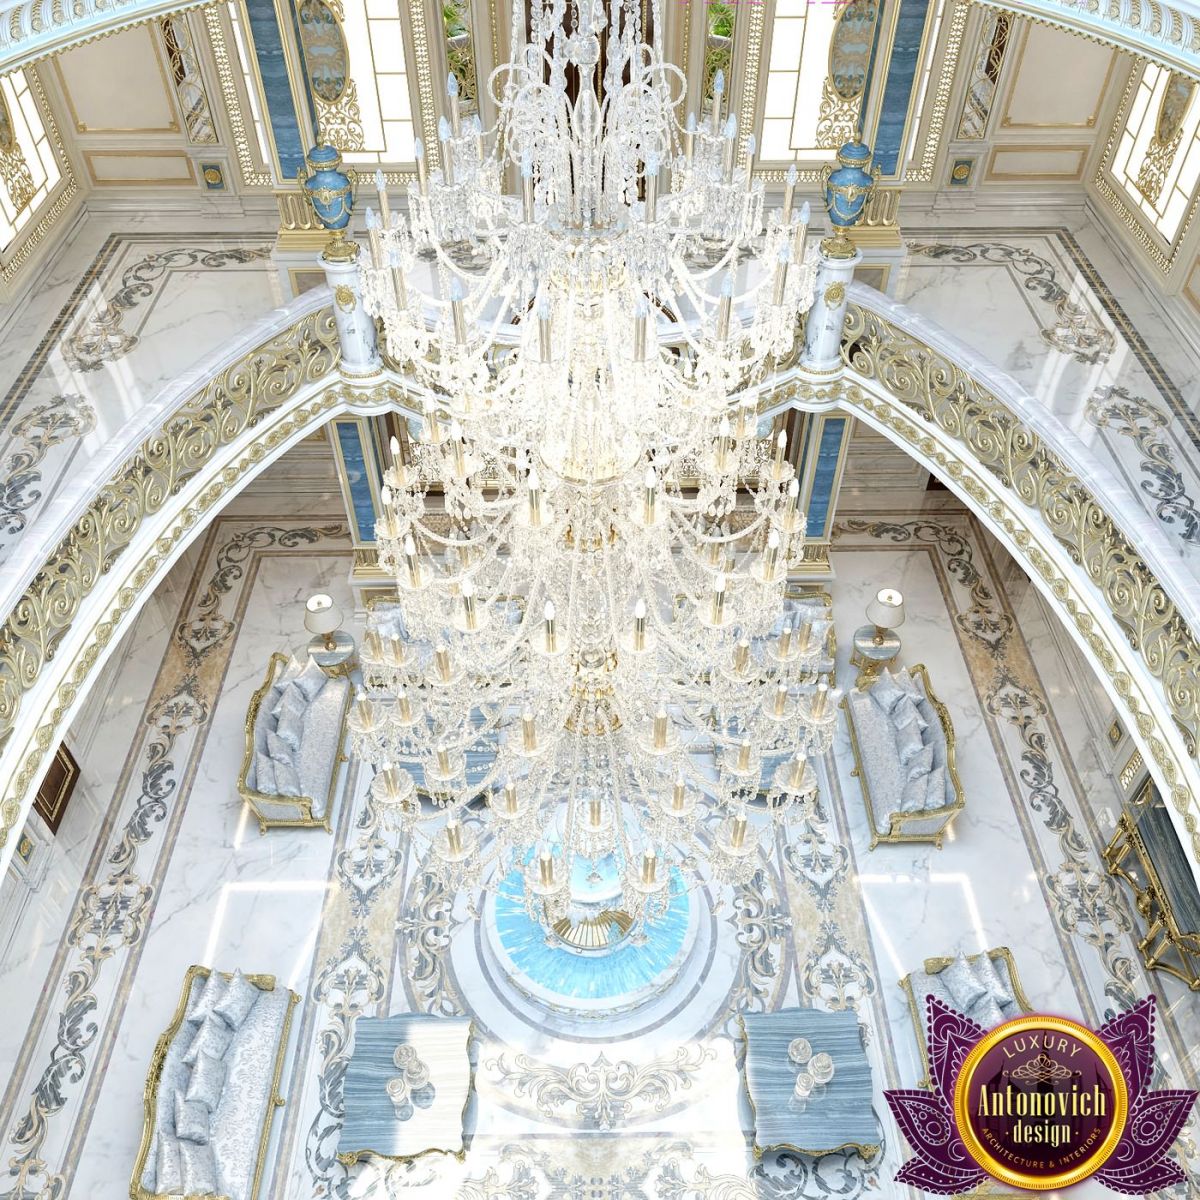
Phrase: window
x=1157 y=159
x=379 y=75
x=28 y=169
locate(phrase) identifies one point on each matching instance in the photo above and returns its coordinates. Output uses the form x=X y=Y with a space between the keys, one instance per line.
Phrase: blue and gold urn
x=330 y=191
x=846 y=190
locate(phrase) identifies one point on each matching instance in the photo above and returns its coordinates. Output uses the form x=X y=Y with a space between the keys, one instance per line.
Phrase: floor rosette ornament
x=1141 y=1124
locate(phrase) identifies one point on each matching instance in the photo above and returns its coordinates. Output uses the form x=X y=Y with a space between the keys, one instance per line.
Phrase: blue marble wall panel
x=898 y=89
x=825 y=475
x=357 y=463
x=273 y=70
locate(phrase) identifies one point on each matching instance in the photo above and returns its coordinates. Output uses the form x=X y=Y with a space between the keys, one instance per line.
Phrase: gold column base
x=876 y=237
x=815 y=566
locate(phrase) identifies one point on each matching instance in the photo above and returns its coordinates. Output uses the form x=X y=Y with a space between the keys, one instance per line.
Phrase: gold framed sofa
x=295 y=730
x=903 y=745
x=986 y=987
x=213 y=1088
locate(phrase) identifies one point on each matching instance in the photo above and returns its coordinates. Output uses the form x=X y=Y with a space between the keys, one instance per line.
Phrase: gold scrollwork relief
x=14 y=170
x=943 y=394
x=234 y=400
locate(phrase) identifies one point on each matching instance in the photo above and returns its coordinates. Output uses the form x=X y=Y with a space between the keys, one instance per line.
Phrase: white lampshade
x=887 y=609
x=321 y=615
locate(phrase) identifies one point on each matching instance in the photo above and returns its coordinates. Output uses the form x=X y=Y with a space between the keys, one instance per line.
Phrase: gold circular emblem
x=835 y=293
x=1040 y=1103
x=961 y=171
x=344 y=297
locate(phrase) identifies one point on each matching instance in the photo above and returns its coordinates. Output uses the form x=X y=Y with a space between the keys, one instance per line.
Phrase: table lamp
x=323 y=618
x=886 y=612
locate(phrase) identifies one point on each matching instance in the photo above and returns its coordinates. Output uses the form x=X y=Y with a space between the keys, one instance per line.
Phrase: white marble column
x=356 y=329
x=823 y=329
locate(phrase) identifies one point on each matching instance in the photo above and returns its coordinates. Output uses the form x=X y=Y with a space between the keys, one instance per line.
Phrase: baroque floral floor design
x=173 y=874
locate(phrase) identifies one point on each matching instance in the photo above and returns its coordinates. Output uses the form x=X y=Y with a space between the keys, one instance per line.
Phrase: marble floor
x=157 y=867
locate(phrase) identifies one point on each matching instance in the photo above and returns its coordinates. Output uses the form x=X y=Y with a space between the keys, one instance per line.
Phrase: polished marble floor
x=158 y=868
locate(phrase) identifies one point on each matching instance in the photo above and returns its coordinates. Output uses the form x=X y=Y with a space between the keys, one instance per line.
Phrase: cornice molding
x=1164 y=33
x=31 y=30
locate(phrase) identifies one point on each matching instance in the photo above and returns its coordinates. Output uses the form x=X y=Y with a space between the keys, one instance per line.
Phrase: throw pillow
x=311 y=680
x=934 y=987
x=908 y=685
x=207 y=1080
x=168 y=1172
x=885 y=691
x=912 y=799
x=278 y=749
x=240 y=997
x=205 y=997
x=191 y=1120
x=264 y=772
x=214 y=1038
x=964 y=984
x=199 y=1169
x=919 y=763
x=291 y=727
x=908 y=741
x=935 y=788
x=989 y=976
x=287 y=782
x=987 y=1012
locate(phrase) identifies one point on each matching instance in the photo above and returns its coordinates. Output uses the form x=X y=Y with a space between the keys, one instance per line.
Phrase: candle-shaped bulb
x=394 y=447
x=549 y=632
x=470 y=611
x=805 y=636
x=639 y=625
x=649 y=867
x=454 y=836
x=444 y=765
x=545 y=345
x=805 y=213
x=679 y=794
x=441 y=661
x=785 y=640
x=741 y=655
x=737 y=831
x=546 y=868
x=534 y=484
x=771 y=555
x=781 y=698
x=411 y=561
x=789 y=193
x=403 y=706
x=443 y=129
x=743 y=755
x=821 y=699
x=796 y=770
x=380 y=182
x=365 y=713
x=511 y=804
x=660 y=728
x=528 y=730
x=595 y=813
x=385 y=494
x=725 y=308
x=718 y=82
x=650 y=496
x=452 y=84
x=780 y=451
x=717 y=613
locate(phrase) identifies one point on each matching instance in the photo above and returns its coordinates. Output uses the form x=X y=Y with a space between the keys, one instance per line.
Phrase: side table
x=342 y=659
x=870 y=656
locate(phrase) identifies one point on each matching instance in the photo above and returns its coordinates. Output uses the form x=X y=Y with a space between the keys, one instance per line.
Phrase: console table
x=1145 y=852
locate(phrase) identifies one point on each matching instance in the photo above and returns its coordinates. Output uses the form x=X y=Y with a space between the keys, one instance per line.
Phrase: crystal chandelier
x=589 y=670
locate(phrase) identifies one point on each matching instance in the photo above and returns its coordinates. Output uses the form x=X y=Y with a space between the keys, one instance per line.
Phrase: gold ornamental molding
x=1149 y=29
x=249 y=412
x=1024 y=469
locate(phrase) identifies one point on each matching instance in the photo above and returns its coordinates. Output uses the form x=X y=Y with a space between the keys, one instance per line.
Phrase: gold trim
x=895 y=833
x=265 y=983
x=141 y=181
x=995 y=1166
x=992 y=175
x=231 y=101
x=168 y=94
x=935 y=966
x=304 y=804
x=1089 y=123
x=941 y=78
x=1130 y=770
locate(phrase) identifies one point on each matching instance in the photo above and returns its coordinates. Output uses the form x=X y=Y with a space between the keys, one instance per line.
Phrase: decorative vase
x=330 y=191
x=846 y=192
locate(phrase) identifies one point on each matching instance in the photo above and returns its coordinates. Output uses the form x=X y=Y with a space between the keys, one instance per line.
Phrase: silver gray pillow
x=264 y=772
x=311 y=680
x=191 y=1121
x=989 y=976
x=206 y=1081
x=240 y=997
x=213 y=1038
x=199 y=1168
x=168 y=1172
x=206 y=996
x=278 y=749
x=287 y=780
x=963 y=983
x=935 y=788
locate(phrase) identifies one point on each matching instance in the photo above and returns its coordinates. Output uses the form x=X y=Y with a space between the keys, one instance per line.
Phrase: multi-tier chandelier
x=589 y=672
